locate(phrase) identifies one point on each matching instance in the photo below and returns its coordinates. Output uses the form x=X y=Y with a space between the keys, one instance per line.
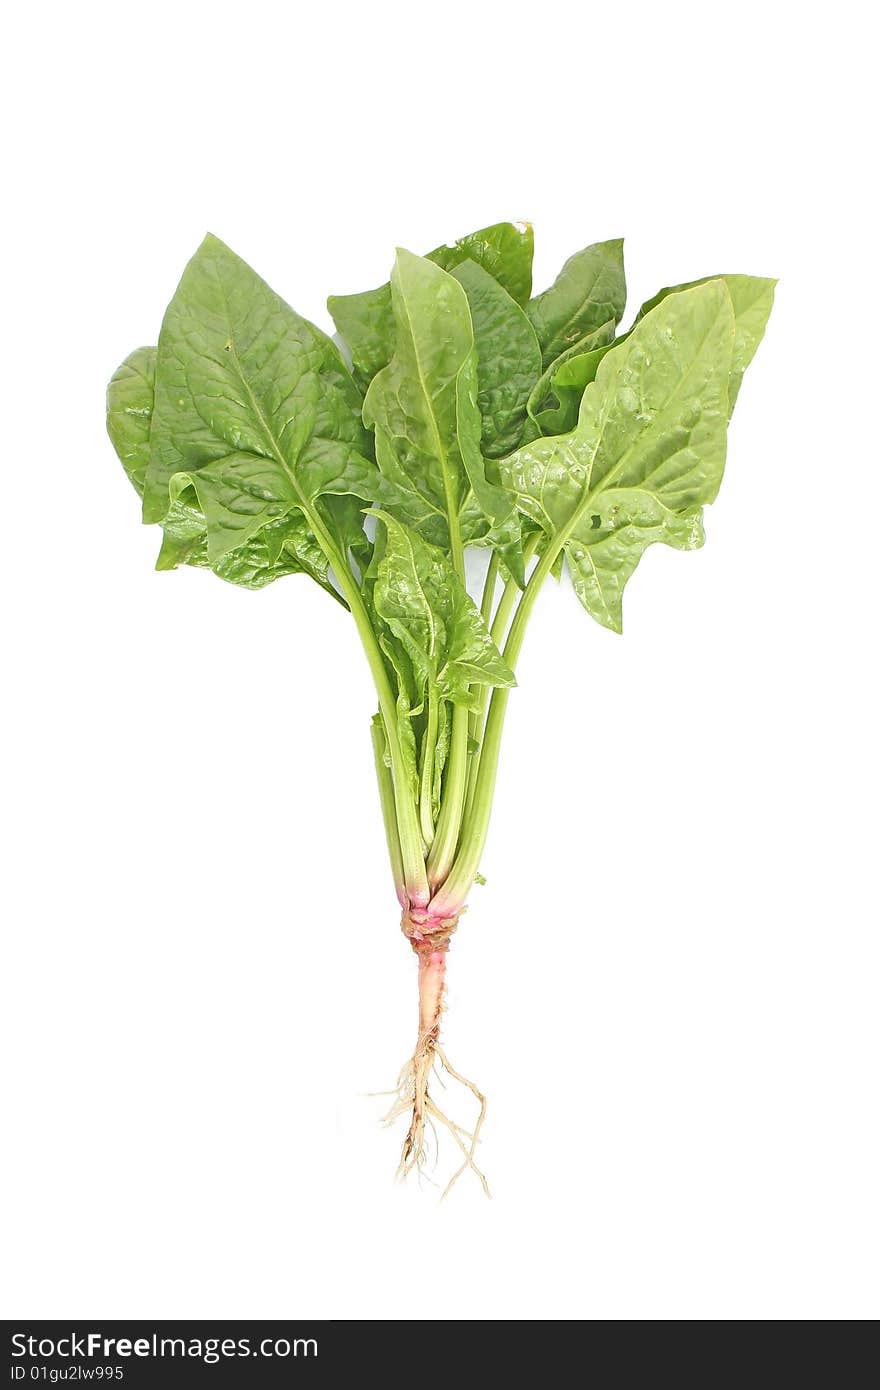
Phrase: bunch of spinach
x=458 y=410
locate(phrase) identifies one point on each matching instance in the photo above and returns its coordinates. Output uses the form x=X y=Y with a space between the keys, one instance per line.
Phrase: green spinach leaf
x=366 y=320
x=543 y=418
x=508 y=359
x=254 y=408
x=504 y=251
x=589 y=290
x=129 y=413
x=752 y=299
x=648 y=449
x=423 y=405
x=424 y=604
x=283 y=547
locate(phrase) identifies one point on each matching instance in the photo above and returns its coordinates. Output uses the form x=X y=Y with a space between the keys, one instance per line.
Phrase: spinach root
x=414 y=1096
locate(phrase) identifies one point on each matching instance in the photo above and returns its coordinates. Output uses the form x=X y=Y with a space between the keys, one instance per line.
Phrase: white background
x=668 y=987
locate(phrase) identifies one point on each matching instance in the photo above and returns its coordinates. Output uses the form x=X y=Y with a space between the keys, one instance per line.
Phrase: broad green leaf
x=238 y=494
x=408 y=504
x=423 y=405
x=129 y=411
x=254 y=408
x=648 y=449
x=504 y=251
x=366 y=320
x=625 y=522
x=414 y=402
x=544 y=417
x=282 y=547
x=752 y=299
x=589 y=290
x=422 y=601
x=569 y=383
x=508 y=359
x=272 y=554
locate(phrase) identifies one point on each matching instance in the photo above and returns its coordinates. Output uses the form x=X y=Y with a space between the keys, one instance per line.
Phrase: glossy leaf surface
x=423 y=405
x=589 y=290
x=424 y=604
x=648 y=449
x=130 y=397
x=366 y=320
x=254 y=408
x=508 y=359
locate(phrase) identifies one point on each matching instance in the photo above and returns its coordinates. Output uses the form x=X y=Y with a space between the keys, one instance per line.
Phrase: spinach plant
x=456 y=410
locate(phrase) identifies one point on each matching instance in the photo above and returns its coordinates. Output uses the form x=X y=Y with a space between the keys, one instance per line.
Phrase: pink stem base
x=432 y=976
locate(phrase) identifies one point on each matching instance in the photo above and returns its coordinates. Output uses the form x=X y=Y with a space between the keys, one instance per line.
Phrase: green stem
x=445 y=840
x=475 y=717
x=511 y=593
x=407 y=820
x=429 y=742
x=473 y=836
x=489 y=588
x=498 y=629
x=454 y=787
x=455 y=546
x=389 y=808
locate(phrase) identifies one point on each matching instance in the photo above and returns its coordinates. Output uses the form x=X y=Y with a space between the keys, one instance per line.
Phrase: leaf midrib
x=442 y=455
x=274 y=444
